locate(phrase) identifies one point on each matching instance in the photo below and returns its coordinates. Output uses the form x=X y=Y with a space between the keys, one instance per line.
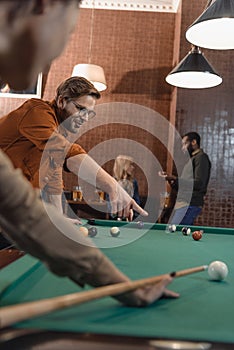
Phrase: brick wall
x=136 y=51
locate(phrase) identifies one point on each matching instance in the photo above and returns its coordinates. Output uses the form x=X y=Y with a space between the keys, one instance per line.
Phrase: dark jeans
x=185 y=215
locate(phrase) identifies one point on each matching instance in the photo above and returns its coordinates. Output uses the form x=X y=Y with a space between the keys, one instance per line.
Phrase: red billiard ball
x=197 y=235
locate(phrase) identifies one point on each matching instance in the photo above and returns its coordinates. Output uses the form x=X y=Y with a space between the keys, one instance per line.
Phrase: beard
x=190 y=149
x=70 y=122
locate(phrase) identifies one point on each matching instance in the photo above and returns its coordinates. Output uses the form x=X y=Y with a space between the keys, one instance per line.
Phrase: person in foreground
x=22 y=215
x=199 y=174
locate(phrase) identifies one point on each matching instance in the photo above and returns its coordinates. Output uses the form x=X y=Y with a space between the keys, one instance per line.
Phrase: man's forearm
x=56 y=200
x=44 y=233
x=88 y=170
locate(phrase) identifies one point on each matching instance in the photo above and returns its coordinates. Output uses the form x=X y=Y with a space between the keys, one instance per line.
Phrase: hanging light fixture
x=215 y=27
x=194 y=72
x=92 y=72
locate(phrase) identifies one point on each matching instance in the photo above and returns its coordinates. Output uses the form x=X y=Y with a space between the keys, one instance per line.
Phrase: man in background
x=39 y=126
x=196 y=177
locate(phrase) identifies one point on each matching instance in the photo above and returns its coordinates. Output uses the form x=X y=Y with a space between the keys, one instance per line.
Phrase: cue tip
x=189 y=271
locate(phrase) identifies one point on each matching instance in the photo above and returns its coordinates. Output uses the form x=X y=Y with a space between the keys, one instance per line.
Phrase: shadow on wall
x=145 y=82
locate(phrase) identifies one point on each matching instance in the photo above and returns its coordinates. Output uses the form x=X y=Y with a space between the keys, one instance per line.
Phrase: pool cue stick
x=17 y=313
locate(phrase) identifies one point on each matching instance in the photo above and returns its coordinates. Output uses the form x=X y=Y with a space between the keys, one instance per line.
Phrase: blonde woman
x=123 y=172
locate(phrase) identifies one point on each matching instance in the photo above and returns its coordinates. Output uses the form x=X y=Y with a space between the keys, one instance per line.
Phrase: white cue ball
x=217 y=270
x=114 y=231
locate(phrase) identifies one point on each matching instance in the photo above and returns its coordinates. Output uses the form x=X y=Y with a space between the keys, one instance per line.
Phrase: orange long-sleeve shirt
x=30 y=136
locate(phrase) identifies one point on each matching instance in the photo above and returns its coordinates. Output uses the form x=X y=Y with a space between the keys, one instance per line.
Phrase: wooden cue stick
x=16 y=313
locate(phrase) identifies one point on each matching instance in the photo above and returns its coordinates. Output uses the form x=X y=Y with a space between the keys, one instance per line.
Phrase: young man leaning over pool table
x=33 y=26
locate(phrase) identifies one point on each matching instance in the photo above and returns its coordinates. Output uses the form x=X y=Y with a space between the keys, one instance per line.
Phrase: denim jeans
x=185 y=215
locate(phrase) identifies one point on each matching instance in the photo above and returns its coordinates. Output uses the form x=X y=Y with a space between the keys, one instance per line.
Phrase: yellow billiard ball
x=84 y=230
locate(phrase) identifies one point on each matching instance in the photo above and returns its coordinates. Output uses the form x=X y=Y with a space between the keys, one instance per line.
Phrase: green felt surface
x=204 y=311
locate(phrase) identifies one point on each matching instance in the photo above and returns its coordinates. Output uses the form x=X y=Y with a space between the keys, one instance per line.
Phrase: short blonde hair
x=121 y=165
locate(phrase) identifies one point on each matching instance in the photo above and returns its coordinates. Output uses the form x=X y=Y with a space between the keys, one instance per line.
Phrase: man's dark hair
x=193 y=136
x=75 y=87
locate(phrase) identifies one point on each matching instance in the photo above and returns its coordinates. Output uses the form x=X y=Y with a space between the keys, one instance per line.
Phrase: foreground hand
x=152 y=293
x=149 y=294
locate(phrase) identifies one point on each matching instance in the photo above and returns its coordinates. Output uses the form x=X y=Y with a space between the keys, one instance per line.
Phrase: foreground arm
x=56 y=201
x=41 y=230
x=87 y=169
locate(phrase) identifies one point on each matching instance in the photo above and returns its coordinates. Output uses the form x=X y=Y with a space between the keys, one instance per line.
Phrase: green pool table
x=202 y=316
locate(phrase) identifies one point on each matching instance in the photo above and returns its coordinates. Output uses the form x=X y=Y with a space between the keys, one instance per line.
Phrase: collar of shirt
x=196 y=151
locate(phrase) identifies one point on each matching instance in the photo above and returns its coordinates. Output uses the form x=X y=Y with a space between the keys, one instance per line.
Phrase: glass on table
x=77 y=194
x=164 y=199
x=101 y=195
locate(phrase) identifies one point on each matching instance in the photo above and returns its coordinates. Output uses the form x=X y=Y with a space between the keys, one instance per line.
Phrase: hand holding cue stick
x=16 y=313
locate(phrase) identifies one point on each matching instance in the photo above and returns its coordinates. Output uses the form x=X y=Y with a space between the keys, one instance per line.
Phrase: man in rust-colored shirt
x=39 y=138
x=36 y=139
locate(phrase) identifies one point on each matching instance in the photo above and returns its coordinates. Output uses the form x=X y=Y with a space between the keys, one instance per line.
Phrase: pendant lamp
x=194 y=72
x=214 y=29
x=91 y=72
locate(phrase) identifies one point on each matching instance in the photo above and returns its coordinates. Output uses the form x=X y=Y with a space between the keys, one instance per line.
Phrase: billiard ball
x=172 y=228
x=92 y=231
x=197 y=235
x=140 y=224
x=84 y=230
x=217 y=270
x=114 y=231
x=186 y=231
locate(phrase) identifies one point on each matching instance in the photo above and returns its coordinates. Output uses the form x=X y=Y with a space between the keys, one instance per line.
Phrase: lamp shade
x=215 y=27
x=91 y=72
x=194 y=72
